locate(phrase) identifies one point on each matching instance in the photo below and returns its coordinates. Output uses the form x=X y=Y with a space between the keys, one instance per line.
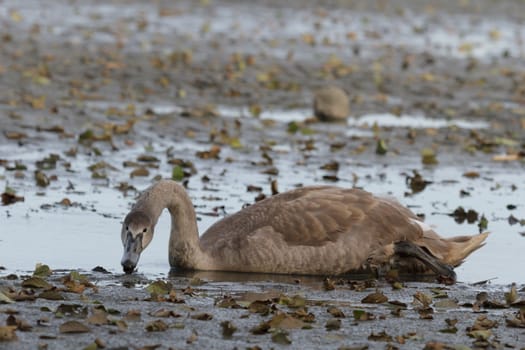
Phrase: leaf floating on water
x=328 y=284
x=177 y=173
x=422 y=300
x=51 y=295
x=212 y=153
x=228 y=329
x=18 y=323
x=260 y=307
x=512 y=295
x=36 y=282
x=13 y=135
x=294 y=302
x=4 y=299
x=41 y=179
x=281 y=337
x=76 y=310
x=42 y=270
x=362 y=315
x=382 y=336
x=518 y=321
x=375 y=298
x=428 y=156
x=483 y=224
x=11 y=198
x=417 y=183
x=73 y=327
x=156 y=326
x=147 y=158
x=333 y=324
x=164 y=313
x=381 y=147
x=159 y=287
x=285 y=321
x=98 y=318
x=139 y=172
x=7 y=333
x=227 y=302
x=261 y=328
x=471 y=174
x=336 y=312
x=202 y=316
x=446 y=304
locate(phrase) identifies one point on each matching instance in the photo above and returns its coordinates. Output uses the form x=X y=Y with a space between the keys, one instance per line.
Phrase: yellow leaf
x=15 y=16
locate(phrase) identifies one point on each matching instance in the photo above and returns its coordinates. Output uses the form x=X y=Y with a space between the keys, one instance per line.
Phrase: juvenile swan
x=317 y=230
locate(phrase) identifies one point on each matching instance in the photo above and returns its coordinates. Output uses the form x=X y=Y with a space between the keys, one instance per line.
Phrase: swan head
x=136 y=234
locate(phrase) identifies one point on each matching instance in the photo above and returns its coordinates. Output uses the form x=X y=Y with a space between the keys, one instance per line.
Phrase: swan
x=313 y=230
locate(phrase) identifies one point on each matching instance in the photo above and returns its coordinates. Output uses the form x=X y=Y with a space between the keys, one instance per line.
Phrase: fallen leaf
x=333 y=324
x=382 y=336
x=159 y=287
x=375 y=298
x=156 y=326
x=20 y=324
x=285 y=321
x=10 y=198
x=428 y=156
x=73 y=327
x=281 y=337
x=336 y=312
x=7 y=333
x=202 y=316
x=36 y=282
x=42 y=270
x=228 y=329
x=4 y=299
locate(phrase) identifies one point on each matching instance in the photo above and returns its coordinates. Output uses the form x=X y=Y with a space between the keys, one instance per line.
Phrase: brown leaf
x=98 y=318
x=36 y=282
x=156 y=326
x=261 y=328
x=51 y=295
x=164 y=313
x=328 y=284
x=375 y=298
x=336 y=312
x=142 y=172
x=212 y=153
x=18 y=323
x=260 y=307
x=132 y=315
x=13 y=135
x=228 y=329
x=333 y=324
x=249 y=297
x=7 y=333
x=11 y=198
x=73 y=327
x=382 y=336
x=285 y=321
x=422 y=299
x=202 y=316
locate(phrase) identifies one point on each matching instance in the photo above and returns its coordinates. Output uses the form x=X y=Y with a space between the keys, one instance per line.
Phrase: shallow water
x=85 y=237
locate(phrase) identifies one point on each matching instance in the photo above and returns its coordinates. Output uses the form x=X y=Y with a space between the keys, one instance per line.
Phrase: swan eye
x=127 y=228
x=144 y=230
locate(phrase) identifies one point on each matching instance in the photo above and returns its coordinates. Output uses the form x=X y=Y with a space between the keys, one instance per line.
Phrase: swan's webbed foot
x=445 y=273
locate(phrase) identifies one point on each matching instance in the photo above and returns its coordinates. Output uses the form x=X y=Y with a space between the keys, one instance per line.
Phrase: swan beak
x=132 y=250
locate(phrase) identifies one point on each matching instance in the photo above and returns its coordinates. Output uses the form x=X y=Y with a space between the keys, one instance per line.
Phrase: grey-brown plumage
x=317 y=230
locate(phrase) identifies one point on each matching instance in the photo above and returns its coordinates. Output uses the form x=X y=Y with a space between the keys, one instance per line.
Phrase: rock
x=331 y=103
